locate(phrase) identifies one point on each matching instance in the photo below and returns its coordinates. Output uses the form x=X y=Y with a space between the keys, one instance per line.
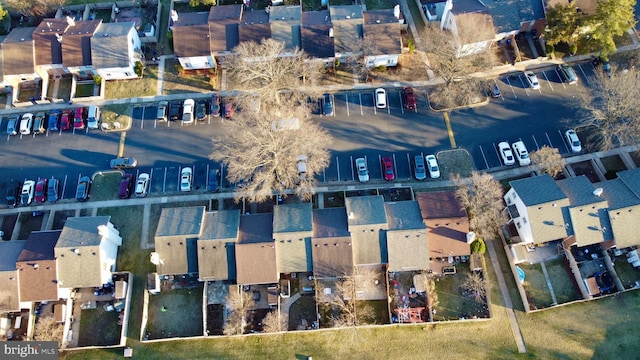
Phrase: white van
x=93 y=117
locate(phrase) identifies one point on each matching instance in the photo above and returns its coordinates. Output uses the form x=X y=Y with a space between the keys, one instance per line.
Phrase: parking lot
x=359 y=129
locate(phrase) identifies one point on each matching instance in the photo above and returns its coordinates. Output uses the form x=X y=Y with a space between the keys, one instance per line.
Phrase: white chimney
x=331 y=32
x=76 y=251
x=396 y=11
x=470 y=237
x=174 y=15
x=102 y=230
x=351 y=215
x=598 y=191
x=70 y=21
x=155 y=259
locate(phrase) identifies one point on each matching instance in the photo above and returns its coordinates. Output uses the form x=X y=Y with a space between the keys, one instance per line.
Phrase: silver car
x=419 y=169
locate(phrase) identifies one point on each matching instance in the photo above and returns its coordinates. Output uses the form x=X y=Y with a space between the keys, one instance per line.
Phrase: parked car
x=93 y=117
x=201 y=110
x=381 y=98
x=123 y=163
x=26 y=194
x=53 y=190
x=521 y=153
x=41 y=191
x=567 y=74
x=327 y=105
x=78 y=118
x=408 y=98
x=161 y=112
x=187 y=111
x=532 y=79
x=432 y=166
x=38 y=123
x=175 y=110
x=387 y=168
x=124 y=191
x=419 y=170
x=228 y=110
x=573 y=140
x=363 y=171
x=213 y=181
x=302 y=166
x=26 y=123
x=54 y=119
x=65 y=120
x=185 y=179
x=142 y=185
x=82 y=190
x=494 y=92
x=215 y=105
x=505 y=153
x=13 y=195
x=12 y=126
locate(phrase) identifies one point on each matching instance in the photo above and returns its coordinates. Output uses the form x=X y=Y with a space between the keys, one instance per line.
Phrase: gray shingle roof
x=631 y=178
x=294 y=255
x=347 y=28
x=109 y=45
x=624 y=212
x=221 y=225
x=507 y=15
x=537 y=190
x=369 y=247
x=285 y=24
x=366 y=210
x=183 y=221
x=81 y=231
x=315 y=39
x=330 y=223
x=9 y=253
x=173 y=253
x=256 y=228
x=618 y=194
x=408 y=250
x=292 y=218
x=216 y=260
x=404 y=215
x=579 y=190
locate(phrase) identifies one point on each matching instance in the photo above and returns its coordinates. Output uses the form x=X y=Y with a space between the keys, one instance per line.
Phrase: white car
x=521 y=153
x=506 y=154
x=574 y=142
x=363 y=172
x=26 y=195
x=185 y=179
x=302 y=166
x=26 y=123
x=187 y=111
x=532 y=79
x=432 y=166
x=381 y=98
x=142 y=185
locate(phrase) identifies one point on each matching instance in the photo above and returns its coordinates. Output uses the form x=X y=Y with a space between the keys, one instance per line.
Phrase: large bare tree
x=481 y=196
x=265 y=152
x=274 y=321
x=47 y=329
x=612 y=105
x=34 y=7
x=548 y=160
x=343 y=300
x=238 y=303
x=268 y=70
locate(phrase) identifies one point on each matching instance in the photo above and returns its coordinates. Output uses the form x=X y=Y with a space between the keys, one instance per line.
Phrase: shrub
x=550 y=49
x=478 y=246
x=412 y=45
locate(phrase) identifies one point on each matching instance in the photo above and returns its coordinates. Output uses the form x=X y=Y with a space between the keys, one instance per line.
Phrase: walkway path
x=508 y=304
x=160 y=85
x=549 y=285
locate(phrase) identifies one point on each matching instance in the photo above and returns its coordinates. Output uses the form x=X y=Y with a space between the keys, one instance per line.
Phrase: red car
x=387 y=169
x=65 y=120
x=41 y=191
x=78 y=118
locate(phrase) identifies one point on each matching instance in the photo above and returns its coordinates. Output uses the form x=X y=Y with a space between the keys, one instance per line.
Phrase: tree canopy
x=548 y=160
x=481 y=196
x=562 y=23
x=34 y=7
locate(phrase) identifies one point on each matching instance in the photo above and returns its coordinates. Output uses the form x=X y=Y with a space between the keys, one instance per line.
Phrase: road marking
x=353 y=177
x=164 y=182
x=64 y=187
x=495 y=148
x=395 y=168
x=149 y=181
x=338 y=167
x=401 y=104
x=361 y=110
x=346 y=100
x=486 y=164
x=409 y=162
x=452 y=140
x=564 y=141
x=548 y=139
x=546 y=78
x=586 y=78
x=511 y=86
x=534 y=140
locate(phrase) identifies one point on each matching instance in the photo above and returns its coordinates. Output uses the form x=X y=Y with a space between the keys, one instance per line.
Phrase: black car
x=82 y=191
x=213 y=184
x=201 y=110
x=53 y=190
x=215 y=105
x=327 y=105
x=13 y=195
x=175 y=110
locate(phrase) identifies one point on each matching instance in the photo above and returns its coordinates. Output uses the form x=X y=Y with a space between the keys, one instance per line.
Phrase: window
x=514 y=196
x=524 y=220
x=518 y=224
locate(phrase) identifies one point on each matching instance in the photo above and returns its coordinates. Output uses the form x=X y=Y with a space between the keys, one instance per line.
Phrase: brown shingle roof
x=440 y=204
x=256 y=263
x=191 y=35
x=447 y=223
x=332 y=257
x=76 y=43
x=254 y=26
x=223 y=27
x=386 y=38
x=48 y=49
x=315 y=39
x=37 y=267
x=9 y=292
x=18 y=53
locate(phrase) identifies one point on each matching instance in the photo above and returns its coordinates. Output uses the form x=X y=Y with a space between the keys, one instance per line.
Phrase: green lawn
x=105 y=186
x=536 y=287
x=627 y=274
x=175 y=313
x=131 y=88
x=561 y=280
x=453 y=302
x=381 y=4
x=99 y=327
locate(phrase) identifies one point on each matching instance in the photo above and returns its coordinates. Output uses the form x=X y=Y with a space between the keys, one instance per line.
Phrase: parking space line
x=361 y=109
x=401 y=104
x=380 y=164
x=150 y=181
x=164 y=182
x=395 y=165
x=388 y=104
x=346 y=100
x=484 y=157
x=495 y=148
x=547 y=78
x=64 y=187
x=353 y=177
x=548 y=139
x=409 y=162
x=338 y=167
x=564 y=141
x=511 y=86
x=535 y=142
x=586 y=78
x=142 y=117
x=525 y=86
x=447 y=121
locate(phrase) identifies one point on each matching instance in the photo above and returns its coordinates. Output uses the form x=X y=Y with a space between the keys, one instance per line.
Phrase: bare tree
x=272 y=151
x=343 y=300
x=274 y=321
x=611 y=105
x=238 y=303
x=37 y=8
x=477 y=285
x=269 y=69
x=47 y=329
x=481 y=196
x=548 y=160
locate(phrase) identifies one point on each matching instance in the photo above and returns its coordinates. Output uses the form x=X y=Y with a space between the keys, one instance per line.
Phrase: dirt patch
x=612 y=164
x=215 y=319
x=178 y=81
x=585 y=168
x=410 y=68
x=303 y=311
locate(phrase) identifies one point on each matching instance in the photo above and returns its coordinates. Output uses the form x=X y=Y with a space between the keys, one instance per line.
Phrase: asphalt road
x=537 y=117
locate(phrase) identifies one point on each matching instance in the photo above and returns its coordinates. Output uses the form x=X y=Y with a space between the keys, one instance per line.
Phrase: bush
x=478 y=246
x=573 y=48
x=550 y=49
x=412 y=45
x=381 y=68
x=138 y=68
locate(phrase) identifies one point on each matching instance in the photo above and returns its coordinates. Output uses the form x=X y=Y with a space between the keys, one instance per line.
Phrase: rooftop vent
x=598 y=191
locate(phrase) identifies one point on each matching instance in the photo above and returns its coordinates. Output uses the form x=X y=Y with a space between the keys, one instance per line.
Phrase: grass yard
x=303 y=308
x=105 y=186
x=627 y=274
x=536 y=287
x=131 y=88
x=561 y=280
x=184 y=83
x=116 y=117
x=380 y=4
x=380 y=311
x=28 y=224
x=453 y=303
x=64 y=89
x=175 y=313
x=99 y=327
x=84 y=90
